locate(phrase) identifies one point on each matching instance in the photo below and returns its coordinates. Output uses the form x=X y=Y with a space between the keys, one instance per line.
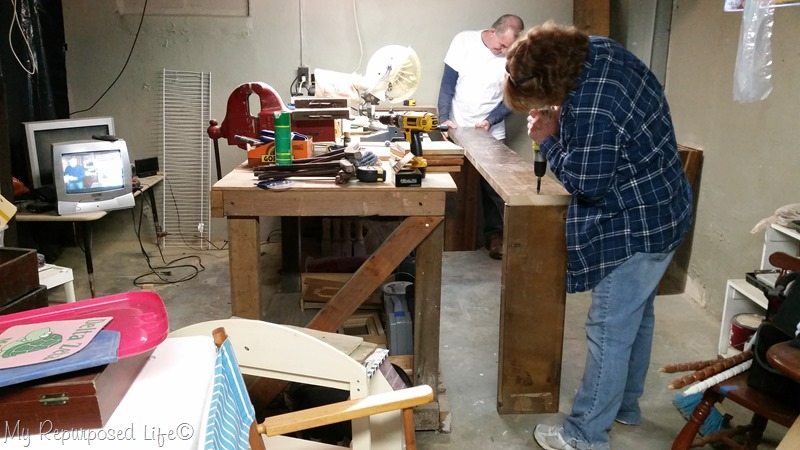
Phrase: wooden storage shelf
x=743 y=297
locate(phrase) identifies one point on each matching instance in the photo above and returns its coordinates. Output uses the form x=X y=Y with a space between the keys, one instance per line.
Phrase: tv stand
x=84 y=221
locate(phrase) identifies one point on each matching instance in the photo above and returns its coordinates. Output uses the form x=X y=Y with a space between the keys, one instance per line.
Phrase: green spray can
x=283 y=138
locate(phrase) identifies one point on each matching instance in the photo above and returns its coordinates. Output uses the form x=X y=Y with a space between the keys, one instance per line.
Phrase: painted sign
x=33 y=343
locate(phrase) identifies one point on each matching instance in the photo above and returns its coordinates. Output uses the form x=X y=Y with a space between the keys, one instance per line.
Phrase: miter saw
x=392 y=75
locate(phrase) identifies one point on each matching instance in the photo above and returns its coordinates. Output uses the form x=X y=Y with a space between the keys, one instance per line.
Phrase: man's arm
x=498 y=114
x=447 y=90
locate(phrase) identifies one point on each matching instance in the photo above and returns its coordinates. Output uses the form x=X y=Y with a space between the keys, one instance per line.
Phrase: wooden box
x=84 y=399
x=37 y=298
x=19 y=273
x=265 y=154
x=319 y=288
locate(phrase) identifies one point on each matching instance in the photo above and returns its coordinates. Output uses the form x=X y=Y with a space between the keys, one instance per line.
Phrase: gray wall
x=751 y=152
x=263 y=47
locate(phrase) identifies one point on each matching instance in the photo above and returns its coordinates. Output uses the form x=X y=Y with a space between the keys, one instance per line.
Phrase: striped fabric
x=231 y=413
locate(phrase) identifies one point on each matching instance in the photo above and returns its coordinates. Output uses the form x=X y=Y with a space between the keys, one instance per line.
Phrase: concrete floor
x=469 y=338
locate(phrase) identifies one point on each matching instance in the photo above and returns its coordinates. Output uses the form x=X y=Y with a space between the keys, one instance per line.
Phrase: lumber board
x=427 y=301
x=592 y=16
x=244 y=267
x=509 y=175
x=346 y=410
x=532 y=306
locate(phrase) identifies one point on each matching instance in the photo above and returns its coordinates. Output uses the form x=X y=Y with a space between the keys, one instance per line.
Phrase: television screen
x=41 y=136
x=93 y=176
x=91 y=172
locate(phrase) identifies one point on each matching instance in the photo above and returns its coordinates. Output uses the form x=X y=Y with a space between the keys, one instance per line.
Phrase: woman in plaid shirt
x=601 y=119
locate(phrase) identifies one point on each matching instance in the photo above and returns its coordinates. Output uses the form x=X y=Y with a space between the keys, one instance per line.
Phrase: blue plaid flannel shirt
x=616 y=154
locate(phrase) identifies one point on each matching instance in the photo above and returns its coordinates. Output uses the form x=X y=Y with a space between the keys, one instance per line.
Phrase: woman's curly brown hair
x=543 y=67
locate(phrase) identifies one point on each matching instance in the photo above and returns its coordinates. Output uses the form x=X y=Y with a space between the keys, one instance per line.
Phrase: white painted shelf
x=742 y=297
x=53 y=276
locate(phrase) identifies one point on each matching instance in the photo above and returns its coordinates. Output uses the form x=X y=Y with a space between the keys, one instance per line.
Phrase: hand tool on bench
x=341 y=163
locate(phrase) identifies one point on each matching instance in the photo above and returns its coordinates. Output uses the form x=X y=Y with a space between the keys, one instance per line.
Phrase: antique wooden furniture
x=533 y=288
x=782 y=409
x=765 y=407
x=236 y=198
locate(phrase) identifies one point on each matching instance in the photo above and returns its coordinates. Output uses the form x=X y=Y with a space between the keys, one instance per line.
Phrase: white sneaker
x=550 y=437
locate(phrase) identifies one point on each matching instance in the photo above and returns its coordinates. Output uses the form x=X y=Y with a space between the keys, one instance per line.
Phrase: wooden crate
x=19 y=273
x=319 y=288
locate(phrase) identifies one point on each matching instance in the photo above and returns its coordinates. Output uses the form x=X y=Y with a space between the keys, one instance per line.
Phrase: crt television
x=41 y=136
x=94 y=175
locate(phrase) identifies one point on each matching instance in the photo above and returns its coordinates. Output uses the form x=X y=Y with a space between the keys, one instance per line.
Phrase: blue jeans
x=619 y=331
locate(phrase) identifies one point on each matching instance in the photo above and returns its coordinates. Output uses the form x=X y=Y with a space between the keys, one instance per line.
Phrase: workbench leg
x=462 y=207
x=86 y=229
x=532 y=298
x=243 y=235
x=427 y=308
x=151 y=196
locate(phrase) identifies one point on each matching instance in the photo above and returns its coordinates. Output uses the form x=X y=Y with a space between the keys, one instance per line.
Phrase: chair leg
x=409 y=429
x=686 y=437
x=255 y=439
x=757 y=426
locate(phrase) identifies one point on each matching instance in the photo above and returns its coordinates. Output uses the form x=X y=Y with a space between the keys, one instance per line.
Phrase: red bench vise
x=239 y=121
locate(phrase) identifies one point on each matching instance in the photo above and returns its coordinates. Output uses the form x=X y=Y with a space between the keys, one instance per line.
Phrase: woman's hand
x=543 y=123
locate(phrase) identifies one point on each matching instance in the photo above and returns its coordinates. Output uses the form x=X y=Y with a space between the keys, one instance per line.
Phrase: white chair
x=265 y=349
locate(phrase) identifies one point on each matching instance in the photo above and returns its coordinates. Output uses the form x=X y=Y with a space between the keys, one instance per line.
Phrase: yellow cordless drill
x=413 y=124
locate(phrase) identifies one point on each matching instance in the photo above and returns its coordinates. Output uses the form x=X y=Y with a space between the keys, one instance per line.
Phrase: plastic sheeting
x=752 y=79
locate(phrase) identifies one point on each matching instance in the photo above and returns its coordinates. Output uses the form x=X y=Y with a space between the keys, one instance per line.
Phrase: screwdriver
x=539 y=165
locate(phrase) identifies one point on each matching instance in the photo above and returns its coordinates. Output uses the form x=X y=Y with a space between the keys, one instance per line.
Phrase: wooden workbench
x=533 y=288
x=236 y=198
x=462 y=207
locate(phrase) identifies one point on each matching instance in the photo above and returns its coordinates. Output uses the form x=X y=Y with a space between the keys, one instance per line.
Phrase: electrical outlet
x=303 y=74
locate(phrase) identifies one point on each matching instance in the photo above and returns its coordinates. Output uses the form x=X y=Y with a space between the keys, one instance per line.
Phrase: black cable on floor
x=162 y=275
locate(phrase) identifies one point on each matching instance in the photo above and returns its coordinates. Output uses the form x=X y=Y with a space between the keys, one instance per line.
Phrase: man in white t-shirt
x=471 y=95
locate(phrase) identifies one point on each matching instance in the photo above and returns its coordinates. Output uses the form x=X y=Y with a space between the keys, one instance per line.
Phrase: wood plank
x=534 y=271
x=448 y=169
x=363 y=325
x=216 y=204
x=677 y=273
x=319 y=288
x=346 y=410
x=444 y=160
x=433 y=147
x=406 y=201
x=244 y=266
x=592 y=16
x=427 y=301
x=508 y=174
x=405 y=238
x=462 y=227
x=532 y=310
